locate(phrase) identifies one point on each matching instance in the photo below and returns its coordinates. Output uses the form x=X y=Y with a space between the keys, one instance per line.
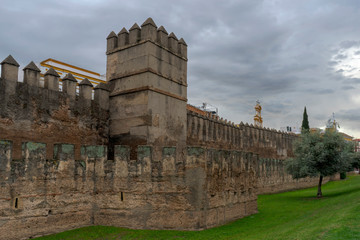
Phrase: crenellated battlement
x=213 y=131
x=10 y=83
x=28 y=111
x=148 y=32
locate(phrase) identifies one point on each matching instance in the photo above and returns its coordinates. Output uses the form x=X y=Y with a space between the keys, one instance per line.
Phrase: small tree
x=305 y=123
x=320 y=155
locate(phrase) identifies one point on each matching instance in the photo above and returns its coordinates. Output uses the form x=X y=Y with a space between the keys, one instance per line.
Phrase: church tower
x=258 y=121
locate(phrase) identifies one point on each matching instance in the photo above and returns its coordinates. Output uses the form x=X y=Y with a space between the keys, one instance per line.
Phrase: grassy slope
x=290 y=215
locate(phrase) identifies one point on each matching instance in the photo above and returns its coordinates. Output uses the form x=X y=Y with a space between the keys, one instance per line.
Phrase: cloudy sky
x=287 y=54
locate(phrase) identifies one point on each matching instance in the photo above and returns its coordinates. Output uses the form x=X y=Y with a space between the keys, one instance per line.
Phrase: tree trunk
x=319 y=193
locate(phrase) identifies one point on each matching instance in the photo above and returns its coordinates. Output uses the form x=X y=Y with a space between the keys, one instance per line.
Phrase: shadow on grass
x=327 y=193
x=345 y=192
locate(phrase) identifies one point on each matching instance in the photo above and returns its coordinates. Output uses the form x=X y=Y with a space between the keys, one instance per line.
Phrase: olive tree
x=320 y=155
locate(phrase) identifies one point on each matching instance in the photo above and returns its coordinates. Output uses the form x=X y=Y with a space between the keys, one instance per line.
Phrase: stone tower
x=258 y=120
x=146 y=72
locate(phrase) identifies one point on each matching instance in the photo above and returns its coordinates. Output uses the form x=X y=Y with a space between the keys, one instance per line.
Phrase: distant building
x=332 y=124
x=357 y=144
x=347 y=137
x=196 y=110
x=63 y=68
x=291 y=129
x=316 y=130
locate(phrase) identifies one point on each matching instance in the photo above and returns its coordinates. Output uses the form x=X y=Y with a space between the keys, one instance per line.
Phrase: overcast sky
x=287 y=54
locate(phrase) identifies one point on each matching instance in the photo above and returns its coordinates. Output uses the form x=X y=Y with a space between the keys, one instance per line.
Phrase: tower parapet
x=85 y=91
x=51 y=79
x=32 y=74
x=147 y=75
x=10 y=72
x=69 y=85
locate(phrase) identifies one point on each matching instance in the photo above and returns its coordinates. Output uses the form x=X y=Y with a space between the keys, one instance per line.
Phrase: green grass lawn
x=290 y=215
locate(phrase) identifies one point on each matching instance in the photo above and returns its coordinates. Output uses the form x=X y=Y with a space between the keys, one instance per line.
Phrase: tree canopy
x=320 y=155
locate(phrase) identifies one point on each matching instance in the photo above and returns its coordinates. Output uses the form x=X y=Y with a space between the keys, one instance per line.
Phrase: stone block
x=64 y=152
x=168 y=160
x=122 y=158
x=34 y=155
x=144 y=160
x=5 y=159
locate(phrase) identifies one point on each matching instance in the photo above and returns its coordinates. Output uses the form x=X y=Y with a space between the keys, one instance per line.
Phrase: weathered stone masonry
x=131 y=157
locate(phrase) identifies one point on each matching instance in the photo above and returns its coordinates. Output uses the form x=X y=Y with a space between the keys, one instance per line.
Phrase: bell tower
x=258 y=121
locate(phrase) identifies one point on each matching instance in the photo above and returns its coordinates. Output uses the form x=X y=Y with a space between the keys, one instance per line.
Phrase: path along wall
x=41 y=195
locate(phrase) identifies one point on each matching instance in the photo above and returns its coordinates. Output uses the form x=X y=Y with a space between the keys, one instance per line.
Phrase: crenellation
x=173 y=42
x=69 y=85
x=101 y=95
x=112 y=41
x=149 y=30
x=264 y=141
x=9 y=74
x=200 y=128
x=205 y=127
x=123 y=38
x=85 y=91
x=162 y=36
x=51 y=80
x=210 y=131
x=224 y=132
x=216 y=131
x=32 y=74
x=134 y=34
x=182 y=48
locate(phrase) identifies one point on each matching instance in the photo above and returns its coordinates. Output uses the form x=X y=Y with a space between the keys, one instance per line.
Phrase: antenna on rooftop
x=209 y=108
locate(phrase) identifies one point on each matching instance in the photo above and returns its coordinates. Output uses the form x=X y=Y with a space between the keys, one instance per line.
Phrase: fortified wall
x=132 y=155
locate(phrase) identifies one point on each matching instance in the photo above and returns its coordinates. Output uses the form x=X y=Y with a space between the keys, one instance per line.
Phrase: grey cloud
x=352 y=80
x=281 y=52
x=349 y=44
x=340 y=56
x=352 y=114
x=333 y=63
x=347 y=88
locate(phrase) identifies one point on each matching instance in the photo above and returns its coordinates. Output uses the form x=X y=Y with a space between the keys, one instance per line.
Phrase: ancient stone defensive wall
x=271 y=146
x=42 y=195
x=210 y=131
x=131 y=155
x=32 y=113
